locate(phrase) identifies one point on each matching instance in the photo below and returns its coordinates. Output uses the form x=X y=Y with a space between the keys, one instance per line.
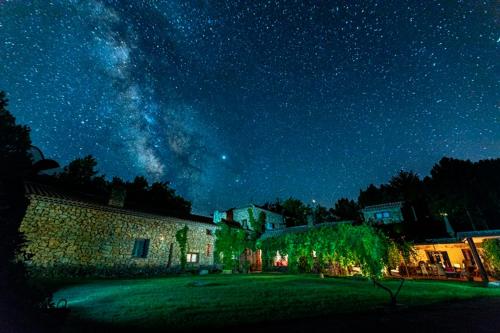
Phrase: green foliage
x=15 y=143
x=20 y=301
x=468 y=191
x=159 y=197
x=229 y=244
x=81 y=175
x=257 y=228
x=257 y=224
x=296 y=212
x=181 y=237
x=491 y=249
x=346 y=209
x=345 y=245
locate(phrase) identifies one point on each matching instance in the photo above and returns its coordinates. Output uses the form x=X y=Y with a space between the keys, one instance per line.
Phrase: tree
x=81 y=175
x=295 y=212
x=346 y=209
x=468 y=192
x=19 y=300
x=15 y=144
x=343 y=245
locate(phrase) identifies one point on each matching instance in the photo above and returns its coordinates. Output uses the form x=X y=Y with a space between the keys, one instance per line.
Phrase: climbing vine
x=181 y=237
x=229 y=244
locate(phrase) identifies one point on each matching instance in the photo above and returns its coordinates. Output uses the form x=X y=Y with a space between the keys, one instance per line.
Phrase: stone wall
x=71 y=238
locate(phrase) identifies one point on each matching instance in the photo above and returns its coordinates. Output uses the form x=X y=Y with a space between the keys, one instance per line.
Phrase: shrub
x=492 y=255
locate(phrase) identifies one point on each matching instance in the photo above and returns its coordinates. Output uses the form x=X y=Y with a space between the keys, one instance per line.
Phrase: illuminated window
x=141 y=247
x=382 y=215
x=209 y=250
x=192 y=257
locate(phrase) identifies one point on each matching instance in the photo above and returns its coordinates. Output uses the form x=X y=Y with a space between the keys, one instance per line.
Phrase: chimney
x=117 y=197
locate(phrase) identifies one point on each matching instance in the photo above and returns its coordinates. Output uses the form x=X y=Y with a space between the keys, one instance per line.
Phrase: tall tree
x=15 y=143
x=468 y=192
x=18 y=301
x=346 y=209
x=295 y=212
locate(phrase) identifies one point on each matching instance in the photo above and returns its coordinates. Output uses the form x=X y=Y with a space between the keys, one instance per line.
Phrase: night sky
x=246 y=101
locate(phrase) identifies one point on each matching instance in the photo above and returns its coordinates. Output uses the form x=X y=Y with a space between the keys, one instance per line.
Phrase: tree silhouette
x=19 y=301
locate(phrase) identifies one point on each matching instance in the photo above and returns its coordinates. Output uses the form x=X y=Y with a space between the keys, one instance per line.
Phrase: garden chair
x=440 y=270
x=424 y=270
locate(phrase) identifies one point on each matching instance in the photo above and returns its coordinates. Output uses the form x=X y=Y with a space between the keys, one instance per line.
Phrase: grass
x=220 y=300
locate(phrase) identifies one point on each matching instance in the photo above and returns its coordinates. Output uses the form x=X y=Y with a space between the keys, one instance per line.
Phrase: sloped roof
x=396 y=204
x=252 y=205
x=83 y=199
x=478 y=233
x=49 y=191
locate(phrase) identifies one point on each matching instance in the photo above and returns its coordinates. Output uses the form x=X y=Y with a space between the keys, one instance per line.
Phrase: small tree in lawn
x=372 y=249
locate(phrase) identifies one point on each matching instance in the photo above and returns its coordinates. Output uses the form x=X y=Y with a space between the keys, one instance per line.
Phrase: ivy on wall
x=181 y=237
x=229 y=244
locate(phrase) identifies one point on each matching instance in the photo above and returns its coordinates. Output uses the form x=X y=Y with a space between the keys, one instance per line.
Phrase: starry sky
x=246 y=101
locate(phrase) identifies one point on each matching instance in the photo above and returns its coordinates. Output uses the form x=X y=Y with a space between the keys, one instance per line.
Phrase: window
x=209 y=232
x=439 y=257
x=192 y=257
x=382 y=215
x=209 y=249
x=244 y=223
x=269 y=226
x=141 y=247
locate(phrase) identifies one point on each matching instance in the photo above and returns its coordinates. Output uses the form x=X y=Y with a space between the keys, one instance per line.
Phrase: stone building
x=72 y=236
x=386 y=213
x=242 y=216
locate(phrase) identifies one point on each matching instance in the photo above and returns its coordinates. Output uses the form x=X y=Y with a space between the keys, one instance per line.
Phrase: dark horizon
x=240 y=102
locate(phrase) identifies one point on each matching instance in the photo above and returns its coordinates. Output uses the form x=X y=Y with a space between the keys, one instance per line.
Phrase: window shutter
x=135 y=251
x=145 y=248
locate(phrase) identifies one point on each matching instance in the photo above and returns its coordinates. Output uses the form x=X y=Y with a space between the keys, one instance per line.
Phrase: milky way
x=239 y=101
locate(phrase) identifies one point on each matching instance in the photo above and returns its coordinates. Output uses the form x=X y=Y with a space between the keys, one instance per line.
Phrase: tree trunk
x=393 y=296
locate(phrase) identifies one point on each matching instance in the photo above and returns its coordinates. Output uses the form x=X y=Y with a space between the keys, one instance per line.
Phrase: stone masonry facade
x=69 y=238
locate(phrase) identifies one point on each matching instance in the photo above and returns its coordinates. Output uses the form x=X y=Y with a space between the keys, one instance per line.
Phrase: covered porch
x=457 y=258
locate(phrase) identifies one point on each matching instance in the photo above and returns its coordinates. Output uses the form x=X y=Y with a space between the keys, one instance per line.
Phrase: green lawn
x=217 y=300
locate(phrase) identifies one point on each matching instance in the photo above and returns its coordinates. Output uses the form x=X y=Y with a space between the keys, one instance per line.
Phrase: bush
x=491 y=249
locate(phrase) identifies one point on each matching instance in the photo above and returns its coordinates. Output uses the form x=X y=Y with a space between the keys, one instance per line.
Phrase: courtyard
x=295 y=302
